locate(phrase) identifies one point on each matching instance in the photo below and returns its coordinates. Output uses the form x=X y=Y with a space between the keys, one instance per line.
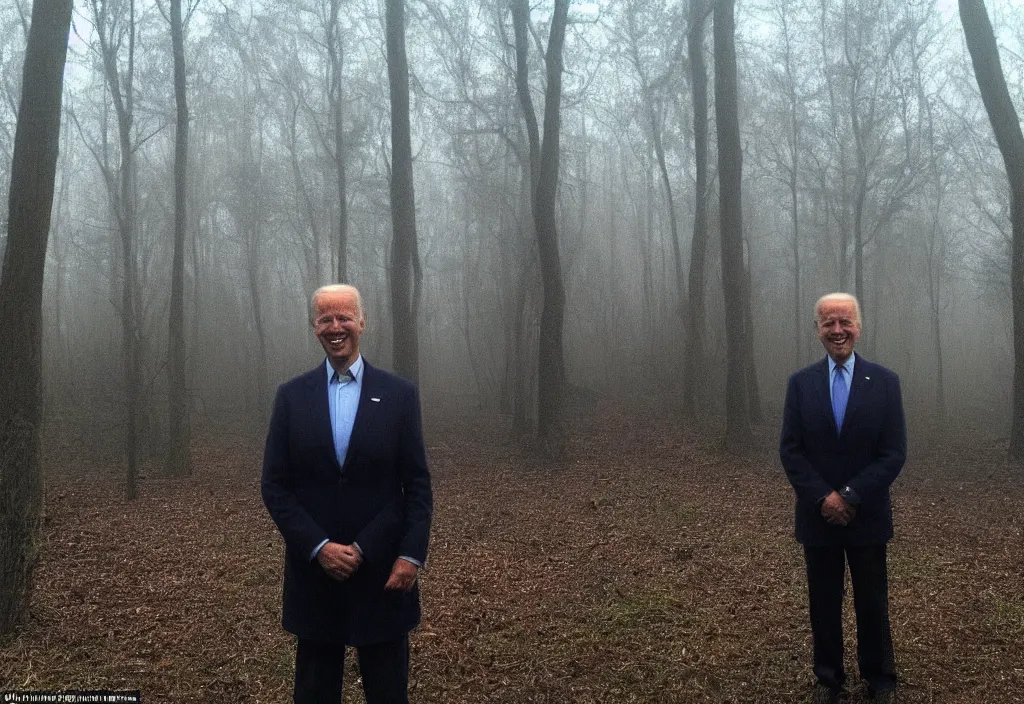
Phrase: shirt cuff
x=850 y=495
x=312 y=555
x=413 y=560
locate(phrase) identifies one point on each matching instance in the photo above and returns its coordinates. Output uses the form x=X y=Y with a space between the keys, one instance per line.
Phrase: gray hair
x=838 y=297
x=336 y=288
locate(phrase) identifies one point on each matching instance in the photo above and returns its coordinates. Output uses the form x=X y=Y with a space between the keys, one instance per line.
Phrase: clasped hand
x=836 y=510
x=339 y=561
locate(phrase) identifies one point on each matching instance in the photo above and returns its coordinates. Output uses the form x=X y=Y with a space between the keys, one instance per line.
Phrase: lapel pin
x=375 y=400
x=867 y=378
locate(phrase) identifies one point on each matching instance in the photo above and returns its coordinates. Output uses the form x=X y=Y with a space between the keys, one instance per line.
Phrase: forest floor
x=647 y=567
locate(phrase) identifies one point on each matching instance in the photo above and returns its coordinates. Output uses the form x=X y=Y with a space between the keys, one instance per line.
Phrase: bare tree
x=177 y=386
x=405 y=274
x=655 y=93
x=734 y=286
x=116 y=30
x=694 y=363
x=336 y=55
x=988 y=70
x=785 y=84
x=875 y=109
x=544 y=153
x=36 y=143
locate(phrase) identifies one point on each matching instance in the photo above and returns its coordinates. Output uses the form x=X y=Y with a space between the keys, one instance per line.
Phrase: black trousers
x=826 y=581
x=319 y=668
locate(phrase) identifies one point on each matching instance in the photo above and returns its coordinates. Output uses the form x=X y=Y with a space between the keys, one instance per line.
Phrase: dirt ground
x=648 y=566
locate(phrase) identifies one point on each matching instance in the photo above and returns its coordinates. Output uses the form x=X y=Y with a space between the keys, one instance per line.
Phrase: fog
x=860 y=122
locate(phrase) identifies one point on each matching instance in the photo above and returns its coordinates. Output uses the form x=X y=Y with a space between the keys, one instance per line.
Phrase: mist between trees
x=868 y=165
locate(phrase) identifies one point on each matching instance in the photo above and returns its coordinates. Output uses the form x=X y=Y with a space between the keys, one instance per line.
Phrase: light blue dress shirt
x=343 y=398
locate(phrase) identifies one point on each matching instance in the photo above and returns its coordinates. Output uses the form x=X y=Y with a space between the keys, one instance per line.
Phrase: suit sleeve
x=806 y=481
x=418 y=498
x=301 y=533
x=891 y=454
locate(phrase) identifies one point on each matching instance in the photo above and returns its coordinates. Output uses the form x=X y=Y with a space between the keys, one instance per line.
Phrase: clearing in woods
x=646 y=567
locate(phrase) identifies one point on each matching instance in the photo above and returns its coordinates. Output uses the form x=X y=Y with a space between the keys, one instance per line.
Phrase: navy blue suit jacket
x=380 y=498
x=867 y=455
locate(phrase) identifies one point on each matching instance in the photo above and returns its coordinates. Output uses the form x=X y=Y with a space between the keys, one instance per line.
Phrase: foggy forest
x=868 y=166
x=547 y=208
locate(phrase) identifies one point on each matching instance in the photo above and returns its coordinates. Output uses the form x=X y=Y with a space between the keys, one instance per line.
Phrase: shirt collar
x=847 y=365
x=356 y=370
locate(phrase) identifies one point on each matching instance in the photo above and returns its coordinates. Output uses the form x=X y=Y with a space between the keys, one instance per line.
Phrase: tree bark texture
x=551 y=369
x=694 y=365
x=179 y=427
x=404 y=251
x=544 y=163
x=730 y=167
x=336 y=53
x=36 y=144
x=551 y=359
x=988 y=70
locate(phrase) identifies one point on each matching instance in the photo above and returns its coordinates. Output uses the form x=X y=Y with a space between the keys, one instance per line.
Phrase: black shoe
x=887 y=696
x=824 y=695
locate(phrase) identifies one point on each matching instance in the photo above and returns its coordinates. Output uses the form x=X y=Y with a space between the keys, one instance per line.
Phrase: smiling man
x=843 y=444
x=345 y=479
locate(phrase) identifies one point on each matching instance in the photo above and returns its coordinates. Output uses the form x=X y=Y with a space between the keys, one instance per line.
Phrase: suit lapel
x=369 y=402
x=824 y=394
x=321 y=412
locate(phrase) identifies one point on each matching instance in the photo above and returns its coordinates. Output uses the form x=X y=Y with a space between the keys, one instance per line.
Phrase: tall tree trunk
x=544 y=159
x=122 y=194
x=250 y=218
x=936 y=270
x=178 y=463
x=520 y=23
x=404 y=253
x=861 y=177
x=677 y=254
x=730 y=166
x=36 y=144
x=936 y=255
x=336 y=53
x=254 y=235
x=694 y=364
x=550 y=360
x=793 y=169
x=981 y=42
x=522 y=348
x=798 y=313
x=750 y=363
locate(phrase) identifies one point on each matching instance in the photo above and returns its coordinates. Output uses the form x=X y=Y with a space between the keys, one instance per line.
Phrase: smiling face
x=838 y=325
x=337 y=323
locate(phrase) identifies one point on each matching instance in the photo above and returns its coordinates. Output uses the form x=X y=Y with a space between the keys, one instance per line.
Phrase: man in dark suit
x=345 y=479
x=843 y=444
